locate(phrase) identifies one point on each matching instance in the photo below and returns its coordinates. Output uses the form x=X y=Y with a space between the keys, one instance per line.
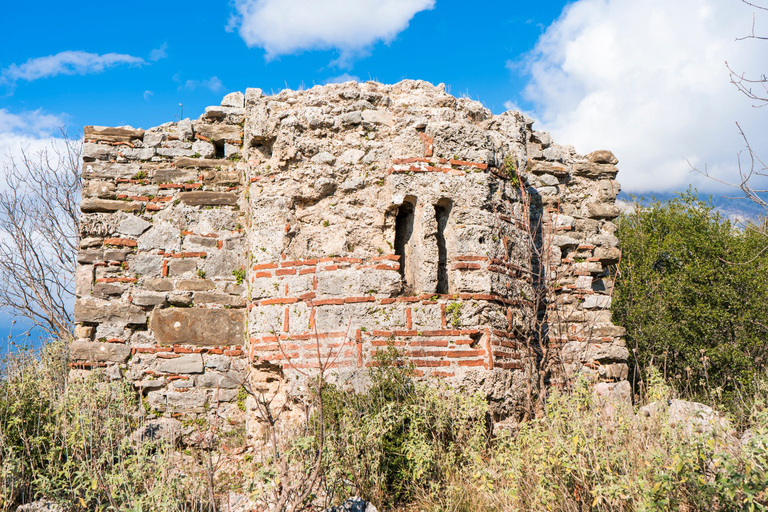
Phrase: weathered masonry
x=341 y=219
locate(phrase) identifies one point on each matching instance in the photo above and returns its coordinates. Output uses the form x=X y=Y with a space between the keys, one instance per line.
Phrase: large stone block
x=189 y=363
x=218 y=133
x=96 y=352
x=91 y=204
x=108 y=134
x=98 y=311
x=205 y=198
x=196 y=326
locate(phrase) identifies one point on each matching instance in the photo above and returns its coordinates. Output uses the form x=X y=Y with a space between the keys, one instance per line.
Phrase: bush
x=692 y=292
x=401 y=440
x=70 y=441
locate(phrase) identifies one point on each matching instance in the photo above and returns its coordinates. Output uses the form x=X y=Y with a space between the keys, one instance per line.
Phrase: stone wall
x=278 y=233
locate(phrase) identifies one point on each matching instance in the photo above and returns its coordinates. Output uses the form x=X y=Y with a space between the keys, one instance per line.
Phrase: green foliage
x=578 y=457
x=692 y=292
x=400 y=439
x=70 y=441
x=509 y=169
x=239 y=275
x=454 y=311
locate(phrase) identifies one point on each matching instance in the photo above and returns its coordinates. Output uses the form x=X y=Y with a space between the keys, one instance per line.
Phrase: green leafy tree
x=692 y=292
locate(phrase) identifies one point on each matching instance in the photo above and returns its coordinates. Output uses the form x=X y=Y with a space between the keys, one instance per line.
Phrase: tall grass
x=403 y=444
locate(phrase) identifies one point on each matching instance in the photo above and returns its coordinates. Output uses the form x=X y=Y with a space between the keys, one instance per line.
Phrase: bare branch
x=39 y=234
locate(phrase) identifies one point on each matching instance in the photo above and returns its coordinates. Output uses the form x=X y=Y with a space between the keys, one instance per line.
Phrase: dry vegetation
x=403 y=445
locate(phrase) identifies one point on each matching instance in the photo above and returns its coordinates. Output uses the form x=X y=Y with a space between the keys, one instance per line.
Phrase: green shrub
x=400 y=439
x=692 y=292
x=69 y=440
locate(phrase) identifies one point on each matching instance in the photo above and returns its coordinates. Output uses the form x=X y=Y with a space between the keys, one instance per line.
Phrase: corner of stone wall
x=160 y=293
x=577 y=195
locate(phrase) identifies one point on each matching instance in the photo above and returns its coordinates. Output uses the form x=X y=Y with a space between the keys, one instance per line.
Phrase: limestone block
x=179 y=267
x=177 y=401
x=153 y=139
x=608 y=255
x=351 y=118
x=615 y=391
x=187 y=363
x=229 y=380
x=98 y=152
x=184 y=130
x=157 y=284
x=174 y=175
x=352 y=156
x=104 y=290
x=218 y=133
x=97 y=352
x=234 y=99
x=137 y=153
x=231 y=150
x=195 y=285
x=132 y=225
x=147 y=264
x=223 y=299
x=165 y=429
x=592 y=170
x=197 y=326
x=205 y=198
x=202 y=163
x=108 y=134
x=597 y=301
x=602 y=156
x=163 y=235
x=252 y=95
x=602 y=211
x=90 y=256
x=97 y=311
x=182 y=299
x=222 y=177
x=217 y=362
x=83 y=280
x=175 y=152
x=90 y=204
x=149 y=299
x=103 y=189
x=204 y=149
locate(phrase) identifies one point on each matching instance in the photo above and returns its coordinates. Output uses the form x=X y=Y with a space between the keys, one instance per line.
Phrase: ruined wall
x=340 y=220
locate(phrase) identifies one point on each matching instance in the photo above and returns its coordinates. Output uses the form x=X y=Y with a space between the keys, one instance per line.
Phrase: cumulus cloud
x=288 y=26
x=66 y=63
x=648 y=80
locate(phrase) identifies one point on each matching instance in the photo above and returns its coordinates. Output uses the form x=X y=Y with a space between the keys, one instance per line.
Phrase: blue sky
x=198 y=60
x=644 y=78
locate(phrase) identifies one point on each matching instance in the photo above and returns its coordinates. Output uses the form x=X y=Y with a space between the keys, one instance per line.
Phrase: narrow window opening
x=442 y=210
x=403 y=232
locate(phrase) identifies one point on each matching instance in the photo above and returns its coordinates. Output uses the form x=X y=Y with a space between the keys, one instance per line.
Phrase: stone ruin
x=340 y=220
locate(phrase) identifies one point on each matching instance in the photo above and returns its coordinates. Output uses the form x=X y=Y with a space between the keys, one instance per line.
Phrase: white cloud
x=212 y=84
x=647 y=79
x=31 y=132
x=288 y=26
x=159 y=53
x=66 y=63
x=340 y=79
